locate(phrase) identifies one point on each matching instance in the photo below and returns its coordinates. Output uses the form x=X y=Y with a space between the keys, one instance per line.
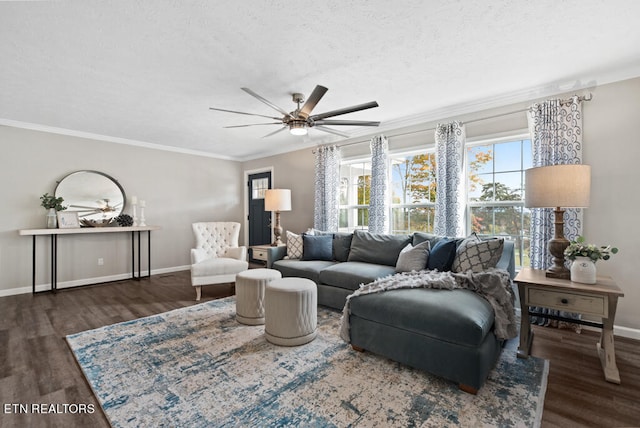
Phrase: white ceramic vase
x=52 y=218
x=583 y=270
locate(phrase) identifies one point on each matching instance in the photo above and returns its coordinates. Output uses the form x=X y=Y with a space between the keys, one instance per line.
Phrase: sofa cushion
x=300 y=268
x=442 y=255
x=317 y=247
x=350 y=275
x=413 y=258
x=475 y=254
x=377 y=248
x=457 y=316
x=420 y=237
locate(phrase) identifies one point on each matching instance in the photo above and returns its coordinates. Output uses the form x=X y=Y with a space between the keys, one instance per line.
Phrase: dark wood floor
x=37 y=366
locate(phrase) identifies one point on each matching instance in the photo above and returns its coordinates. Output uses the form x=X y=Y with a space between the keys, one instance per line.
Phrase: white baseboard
x=88 y=281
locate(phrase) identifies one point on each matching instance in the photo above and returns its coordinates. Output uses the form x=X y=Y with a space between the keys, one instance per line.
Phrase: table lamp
x=277 y=200
x=558 y=186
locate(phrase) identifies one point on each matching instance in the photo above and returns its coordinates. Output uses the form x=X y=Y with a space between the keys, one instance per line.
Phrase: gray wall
x=178 y=189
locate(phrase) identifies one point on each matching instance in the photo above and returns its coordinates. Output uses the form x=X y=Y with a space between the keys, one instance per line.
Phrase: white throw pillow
x=477 y=255
x=294 y=245
x=413 y=258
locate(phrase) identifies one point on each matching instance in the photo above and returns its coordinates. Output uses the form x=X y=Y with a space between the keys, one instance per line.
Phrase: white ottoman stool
x=291 y=311
x=250 y=294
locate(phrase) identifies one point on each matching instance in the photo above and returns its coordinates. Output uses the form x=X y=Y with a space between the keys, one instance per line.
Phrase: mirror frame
x=95 y=221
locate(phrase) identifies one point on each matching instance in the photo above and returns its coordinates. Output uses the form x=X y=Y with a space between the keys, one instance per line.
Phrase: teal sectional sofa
x=445 y=332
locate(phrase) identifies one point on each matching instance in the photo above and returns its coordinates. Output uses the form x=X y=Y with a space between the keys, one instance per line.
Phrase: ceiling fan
x=299 y=120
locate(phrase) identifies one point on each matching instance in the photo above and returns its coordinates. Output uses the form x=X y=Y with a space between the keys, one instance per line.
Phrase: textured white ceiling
x=147 y=71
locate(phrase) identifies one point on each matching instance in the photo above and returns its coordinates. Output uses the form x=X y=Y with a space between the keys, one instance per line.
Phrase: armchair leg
x=198 y=292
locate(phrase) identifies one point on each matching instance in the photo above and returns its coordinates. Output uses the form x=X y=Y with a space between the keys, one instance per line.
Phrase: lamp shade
x=567 y=186
x=277 y=200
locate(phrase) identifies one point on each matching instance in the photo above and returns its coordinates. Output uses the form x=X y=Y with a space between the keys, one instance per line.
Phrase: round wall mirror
x=96 y=197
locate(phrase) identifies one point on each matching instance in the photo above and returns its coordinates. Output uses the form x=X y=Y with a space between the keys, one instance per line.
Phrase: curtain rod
x=578 y=98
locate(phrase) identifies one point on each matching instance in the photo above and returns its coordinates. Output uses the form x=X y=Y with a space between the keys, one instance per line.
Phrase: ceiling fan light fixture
x=298 y=128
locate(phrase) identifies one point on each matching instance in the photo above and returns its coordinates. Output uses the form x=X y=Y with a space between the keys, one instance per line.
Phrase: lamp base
x=558 y=274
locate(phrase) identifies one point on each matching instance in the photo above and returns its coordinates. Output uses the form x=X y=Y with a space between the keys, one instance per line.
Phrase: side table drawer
x=594 y=304
x=259 y=254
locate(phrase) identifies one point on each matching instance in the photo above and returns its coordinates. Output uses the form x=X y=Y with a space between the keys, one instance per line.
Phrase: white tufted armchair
x=217 y=257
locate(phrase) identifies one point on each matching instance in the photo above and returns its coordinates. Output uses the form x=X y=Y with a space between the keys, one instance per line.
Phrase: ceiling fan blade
x=275 y=132
x=241 y=112
x=347 y=122
x=313 y=99
x=267 y=102
x=345 y=110
x=83 y=206
x=330 y=131
x=252 y=124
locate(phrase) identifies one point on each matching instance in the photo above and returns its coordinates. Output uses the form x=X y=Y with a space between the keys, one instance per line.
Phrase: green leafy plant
x=579 y=248
x=50 y=201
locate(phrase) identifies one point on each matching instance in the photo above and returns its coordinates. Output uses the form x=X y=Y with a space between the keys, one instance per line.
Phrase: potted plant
x=584 y=257
x=53 y=205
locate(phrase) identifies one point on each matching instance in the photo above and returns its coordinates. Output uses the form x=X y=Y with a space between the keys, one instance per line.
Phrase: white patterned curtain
x=556 y=139
x=450 y=186
x=327 y=187
x=378 y=214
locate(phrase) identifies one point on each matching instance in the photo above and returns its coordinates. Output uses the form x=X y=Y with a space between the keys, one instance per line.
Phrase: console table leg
x=33 y=267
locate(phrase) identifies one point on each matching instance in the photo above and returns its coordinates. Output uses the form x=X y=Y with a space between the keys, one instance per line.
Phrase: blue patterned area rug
x=198 y=367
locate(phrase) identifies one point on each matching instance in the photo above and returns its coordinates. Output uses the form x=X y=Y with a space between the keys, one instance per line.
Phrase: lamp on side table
x=558 y=186
x=277 y=200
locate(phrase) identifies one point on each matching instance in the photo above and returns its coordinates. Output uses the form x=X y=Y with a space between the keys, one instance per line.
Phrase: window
x=495 y=186
x=355 y=187
x=413 y=192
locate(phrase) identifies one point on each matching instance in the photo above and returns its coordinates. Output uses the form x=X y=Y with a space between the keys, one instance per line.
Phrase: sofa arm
x=275 y=253
x=508 y=259
x=239 y=253
x=197 y=255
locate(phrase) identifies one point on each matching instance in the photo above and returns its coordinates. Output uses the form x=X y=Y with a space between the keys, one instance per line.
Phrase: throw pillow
x=413 y=258
x=294 y=245
x=317 y=247
x=442 y=255
x=377 y=248
x=341 y=246
x=477 y=255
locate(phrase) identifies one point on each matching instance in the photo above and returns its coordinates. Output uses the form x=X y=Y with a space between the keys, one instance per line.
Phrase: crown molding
x=109 y=139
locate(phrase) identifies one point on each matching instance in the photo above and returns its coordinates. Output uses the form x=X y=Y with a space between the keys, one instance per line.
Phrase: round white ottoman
x=291 y=311
x=250 y=286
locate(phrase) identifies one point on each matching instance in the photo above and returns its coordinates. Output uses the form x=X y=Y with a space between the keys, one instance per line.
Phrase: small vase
x=583 y=270
x=52 y=219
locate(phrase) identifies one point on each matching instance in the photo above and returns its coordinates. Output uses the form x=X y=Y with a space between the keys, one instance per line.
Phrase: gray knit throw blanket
x=492 y=284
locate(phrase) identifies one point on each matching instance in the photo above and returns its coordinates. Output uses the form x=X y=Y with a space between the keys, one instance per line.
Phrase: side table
x=599 y=300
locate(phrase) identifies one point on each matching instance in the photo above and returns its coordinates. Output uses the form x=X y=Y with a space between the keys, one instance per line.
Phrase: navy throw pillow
x=442 y=255
x=317 y=247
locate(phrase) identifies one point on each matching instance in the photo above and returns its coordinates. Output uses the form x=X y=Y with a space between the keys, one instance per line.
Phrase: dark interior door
x=259 y=219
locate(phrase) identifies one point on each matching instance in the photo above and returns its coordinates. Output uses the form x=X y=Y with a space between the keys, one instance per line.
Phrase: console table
x=599 y=300
x=54 y=233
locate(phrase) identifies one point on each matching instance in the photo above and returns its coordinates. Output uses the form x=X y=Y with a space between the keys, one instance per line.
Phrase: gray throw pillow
x=477 y=255
x=317 y=247
x=413 y=258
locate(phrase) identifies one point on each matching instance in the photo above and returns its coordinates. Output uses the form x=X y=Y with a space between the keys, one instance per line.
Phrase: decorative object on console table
x=584 y=257
x=124 y=220
x=277 y=200
x=558 y=187
x=134 y=203
x=53 y=205
x=68 y=220
x=143 y=204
